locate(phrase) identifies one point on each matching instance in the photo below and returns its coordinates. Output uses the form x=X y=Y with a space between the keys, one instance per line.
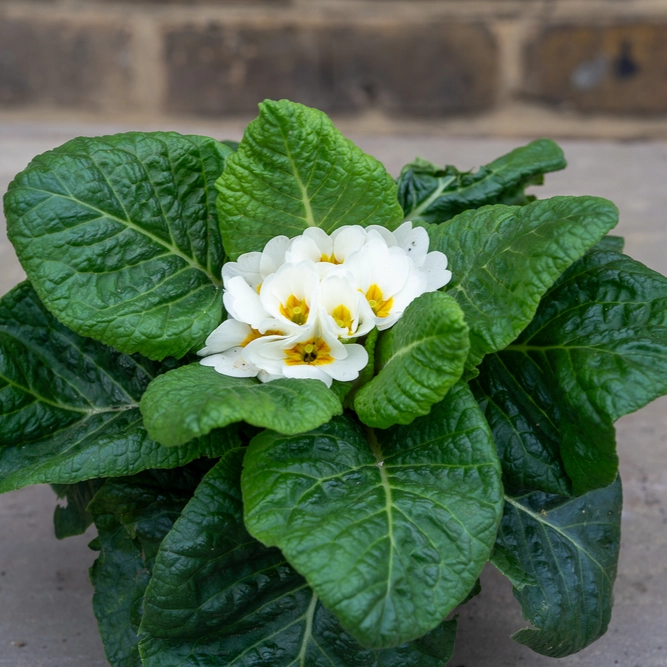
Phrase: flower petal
x=247 y=266
x=243 y=303
x=308 y=373
x=435 y=268
x=349 y=368
x=414 y=286
x=232 y=363
x=344 y=310
x=273 y=255
x=414 y=241
x=347 y=240
x=231 y=333
x=292 y=285
x=376 y=264
x=377 y=232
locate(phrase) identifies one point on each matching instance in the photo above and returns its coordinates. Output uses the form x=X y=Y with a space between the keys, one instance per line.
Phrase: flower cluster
x=296 y=308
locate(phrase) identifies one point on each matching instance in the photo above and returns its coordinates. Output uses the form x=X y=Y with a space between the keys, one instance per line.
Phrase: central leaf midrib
x=305 y=199
x=68 y=408
x=379 y=457
x=308 y=631
x=5 y=330
x=541 y=521
x=406 y=348
x=132 y=225
x=423 y=206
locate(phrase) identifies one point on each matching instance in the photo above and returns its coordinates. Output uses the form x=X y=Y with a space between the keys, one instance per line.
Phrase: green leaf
x=421 y=357
x=295 y=170
x=521 y=407
x=120 y=238
x=570 y=548
x=233 y=145
x=599 y=341
x=474 y=592
x=508 y=563
x=192 y=400
x=390 y=529
x=69 y=406
x=132 y=516
x=74 y=518
x=432 y=194
x=503 y=260
x=218 y=597
x=609 y=242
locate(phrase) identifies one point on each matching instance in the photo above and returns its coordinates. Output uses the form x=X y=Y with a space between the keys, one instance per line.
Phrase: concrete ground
x=46 y=618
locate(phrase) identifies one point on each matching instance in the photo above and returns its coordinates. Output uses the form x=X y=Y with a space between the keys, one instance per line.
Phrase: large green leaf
x=218 y=597
x=192 y=400
x=120 y=237
x=132 y=516
x=503 y=260
x=391 y=529
x=433 y=194
x=421 y=357
x=521 y=407
x=295 y=170
x=569 y=547
x=69 y=406
x=598 y=344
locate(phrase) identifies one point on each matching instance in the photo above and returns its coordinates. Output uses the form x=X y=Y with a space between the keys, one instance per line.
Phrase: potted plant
x=305 y=403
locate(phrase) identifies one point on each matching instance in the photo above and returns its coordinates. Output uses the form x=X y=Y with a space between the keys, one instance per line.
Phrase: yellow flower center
x=343 y=317
x=329 y=258
x=254 y=335
x=314 y=352
x=295 y=310
x=377 y=302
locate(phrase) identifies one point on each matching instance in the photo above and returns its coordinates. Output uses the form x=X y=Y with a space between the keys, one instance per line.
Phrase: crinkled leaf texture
x=504 y=259
x=295 y=170
x=508 y=563
x=69 y=406
x=192 y=400
x=120 y=238
x=219 y=597
x=420 y=357
x=596 y=350
x=433 y=194
x=569 y=547
x=391 y=529
x=521 y=407
x=132 y=516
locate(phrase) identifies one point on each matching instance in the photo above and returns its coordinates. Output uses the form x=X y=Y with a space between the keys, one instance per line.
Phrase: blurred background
x=456 y=81
x=578 y=68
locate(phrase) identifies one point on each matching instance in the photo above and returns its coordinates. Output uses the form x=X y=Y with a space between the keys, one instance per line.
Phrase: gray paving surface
x=45 y=613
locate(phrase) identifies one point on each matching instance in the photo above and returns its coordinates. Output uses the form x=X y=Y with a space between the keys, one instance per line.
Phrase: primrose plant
x=304 y=404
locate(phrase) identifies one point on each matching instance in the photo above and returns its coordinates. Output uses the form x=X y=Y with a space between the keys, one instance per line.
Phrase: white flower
x=290 y=297
x=224 y=348
x=388 y=279
x=414 y=241
x=317 y=246
x=316 y=354
x=344 y=311
x=296 y=308
x=254 y=267
x=242 y=302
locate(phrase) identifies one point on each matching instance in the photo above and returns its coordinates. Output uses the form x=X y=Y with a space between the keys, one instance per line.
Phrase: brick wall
x=410 y=59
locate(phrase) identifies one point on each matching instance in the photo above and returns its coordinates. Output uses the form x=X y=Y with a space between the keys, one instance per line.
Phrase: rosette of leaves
x=285 y=523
